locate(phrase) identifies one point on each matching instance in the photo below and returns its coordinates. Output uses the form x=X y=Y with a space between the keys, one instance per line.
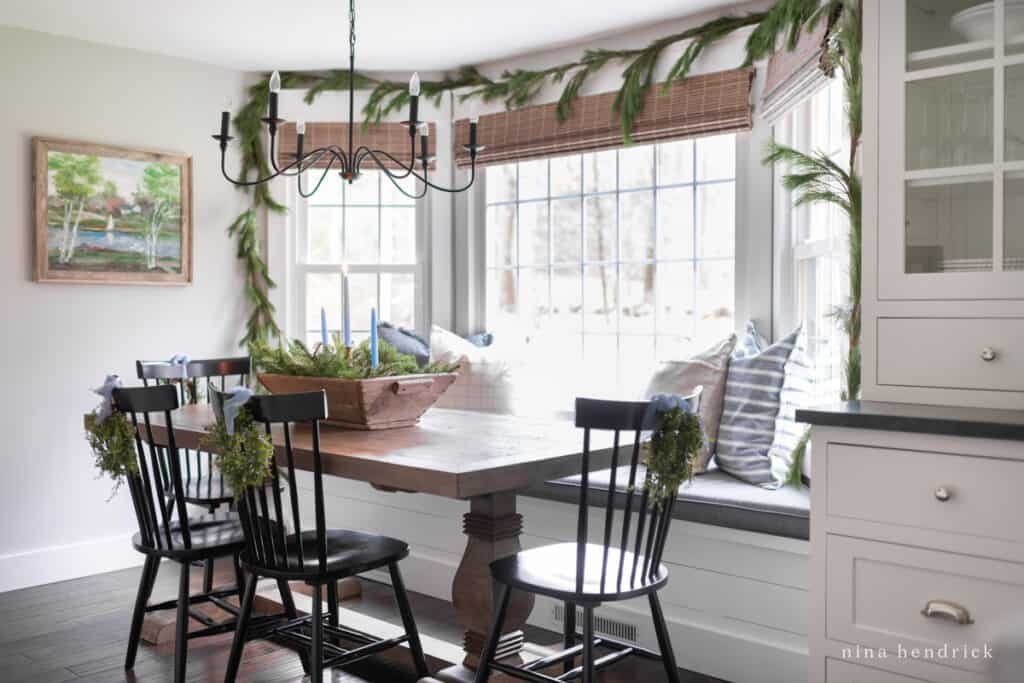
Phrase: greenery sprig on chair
x=671 y=452
x=337 y=361
x=113 y=446
x=245 y=457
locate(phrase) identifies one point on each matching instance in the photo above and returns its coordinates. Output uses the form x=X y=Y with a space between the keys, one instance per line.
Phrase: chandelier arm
x=323 y=176
x=423 y=178
x=304 y=165
x=365 y=151
x=259 y=181
x=394 y=177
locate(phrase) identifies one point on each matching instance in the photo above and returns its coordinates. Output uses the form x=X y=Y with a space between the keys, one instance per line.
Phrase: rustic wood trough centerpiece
x=394 y=394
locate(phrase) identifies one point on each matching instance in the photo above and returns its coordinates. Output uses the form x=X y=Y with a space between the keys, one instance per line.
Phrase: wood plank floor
x=77 y=630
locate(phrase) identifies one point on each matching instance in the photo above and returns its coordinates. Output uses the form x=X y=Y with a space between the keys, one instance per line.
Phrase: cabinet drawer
x=837 y=671
x=958 y=494
x=878 y=594
x=949 y=353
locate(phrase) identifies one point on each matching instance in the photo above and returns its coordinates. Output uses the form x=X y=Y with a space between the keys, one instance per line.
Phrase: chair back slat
x=645 y=537
x=293 y=492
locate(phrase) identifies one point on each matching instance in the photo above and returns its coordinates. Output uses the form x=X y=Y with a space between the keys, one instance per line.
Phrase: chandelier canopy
x=349 y=162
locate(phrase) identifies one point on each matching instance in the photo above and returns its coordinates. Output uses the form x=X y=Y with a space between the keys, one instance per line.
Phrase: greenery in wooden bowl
x=670 y=454
x=245 y=457
x=113 y=446
x=338 y=361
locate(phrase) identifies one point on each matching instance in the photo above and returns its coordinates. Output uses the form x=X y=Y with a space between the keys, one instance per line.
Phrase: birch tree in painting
x=160 y=197
x=76 y=179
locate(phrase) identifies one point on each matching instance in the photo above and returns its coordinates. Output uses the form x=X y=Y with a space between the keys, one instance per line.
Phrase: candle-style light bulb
x=414 y=85
x=414 y=104
x=275 y=82
x=275 y=88
x=300 y=127
x=424 y=142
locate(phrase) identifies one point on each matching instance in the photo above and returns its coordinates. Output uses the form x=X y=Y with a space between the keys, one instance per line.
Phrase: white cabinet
x=943 y=166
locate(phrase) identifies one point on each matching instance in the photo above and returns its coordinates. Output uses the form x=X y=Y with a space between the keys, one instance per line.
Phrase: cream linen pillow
x=485 y=380
x=707 y=369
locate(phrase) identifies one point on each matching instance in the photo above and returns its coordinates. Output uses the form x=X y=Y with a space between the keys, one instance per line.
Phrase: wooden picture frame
x=111 y=215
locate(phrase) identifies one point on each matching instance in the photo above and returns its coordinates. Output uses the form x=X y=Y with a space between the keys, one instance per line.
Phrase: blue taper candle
x=374 y=357
x=346 y=319
x=323 y=327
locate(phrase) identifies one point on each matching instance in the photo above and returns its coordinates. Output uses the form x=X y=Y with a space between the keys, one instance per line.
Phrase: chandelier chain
x=352 y=27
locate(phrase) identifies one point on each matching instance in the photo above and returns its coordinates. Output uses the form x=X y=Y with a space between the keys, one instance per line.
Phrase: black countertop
x=985 y=423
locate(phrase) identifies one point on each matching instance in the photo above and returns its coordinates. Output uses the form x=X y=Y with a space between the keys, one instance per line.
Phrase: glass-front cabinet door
x=951 y=150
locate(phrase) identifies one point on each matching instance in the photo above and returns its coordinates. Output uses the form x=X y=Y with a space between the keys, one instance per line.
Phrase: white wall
x=59 y=340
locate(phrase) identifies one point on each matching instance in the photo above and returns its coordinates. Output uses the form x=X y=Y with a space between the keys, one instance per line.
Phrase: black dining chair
x=583 y=575
x=167 y=532
x=319 y=556
x=202 y=484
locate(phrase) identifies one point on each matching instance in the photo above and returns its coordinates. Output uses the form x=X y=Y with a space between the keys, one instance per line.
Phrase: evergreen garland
x=670 y=454
x=113 y=446
x=336 y=360
x=244 y=458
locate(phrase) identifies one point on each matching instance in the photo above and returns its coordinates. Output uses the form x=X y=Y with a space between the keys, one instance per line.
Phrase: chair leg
x=668 y=657
x=241 y=628
x=146 y=581
x=181 y=625
x=316 y=648
x=289 y=611
x=415 y=647
x=239 y=575
x=332 y=603
x=484 y=668
x=568 y=630
x=588 y=645
x=208 y=575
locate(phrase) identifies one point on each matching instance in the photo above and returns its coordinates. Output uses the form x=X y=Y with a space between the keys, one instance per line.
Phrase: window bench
x=714 y=498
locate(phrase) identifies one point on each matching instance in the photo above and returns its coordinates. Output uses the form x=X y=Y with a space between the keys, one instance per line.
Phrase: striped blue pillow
x=796 y=392
x=752 y=390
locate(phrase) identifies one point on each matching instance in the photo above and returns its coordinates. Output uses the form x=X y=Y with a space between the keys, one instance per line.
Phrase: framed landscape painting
x=112 y=215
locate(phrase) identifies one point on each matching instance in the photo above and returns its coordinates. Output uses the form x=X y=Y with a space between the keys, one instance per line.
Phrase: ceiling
x=392 y=35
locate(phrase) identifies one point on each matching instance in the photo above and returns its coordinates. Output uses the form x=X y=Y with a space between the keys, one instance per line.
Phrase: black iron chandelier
x=349 y=162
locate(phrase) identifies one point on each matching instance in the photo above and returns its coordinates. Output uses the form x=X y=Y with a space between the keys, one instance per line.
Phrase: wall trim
x=63 y=562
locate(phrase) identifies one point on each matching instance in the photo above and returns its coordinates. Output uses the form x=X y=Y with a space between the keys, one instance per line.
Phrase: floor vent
x=620 y=630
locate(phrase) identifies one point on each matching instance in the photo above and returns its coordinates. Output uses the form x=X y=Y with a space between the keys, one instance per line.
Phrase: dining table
x=483 y=458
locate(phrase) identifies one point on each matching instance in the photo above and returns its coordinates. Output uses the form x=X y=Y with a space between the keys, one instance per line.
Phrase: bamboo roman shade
x=794 y=74
x=699 y=105
x=389 y=137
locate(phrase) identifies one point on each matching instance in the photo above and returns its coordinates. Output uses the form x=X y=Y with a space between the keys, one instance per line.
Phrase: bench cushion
x=714 y=498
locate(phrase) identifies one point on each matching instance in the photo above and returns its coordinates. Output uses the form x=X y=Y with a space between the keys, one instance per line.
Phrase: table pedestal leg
x=492 y=526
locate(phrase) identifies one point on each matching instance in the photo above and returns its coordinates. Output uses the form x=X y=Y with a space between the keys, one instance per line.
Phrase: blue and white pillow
x=752 y=399
x=797 y=392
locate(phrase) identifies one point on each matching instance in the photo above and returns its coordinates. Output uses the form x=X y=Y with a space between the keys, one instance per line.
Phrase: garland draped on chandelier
x=814 y=177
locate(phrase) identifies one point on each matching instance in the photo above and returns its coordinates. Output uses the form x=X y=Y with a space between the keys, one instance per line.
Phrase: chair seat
x=551 y=570
x=348 y=553
x=215 y=535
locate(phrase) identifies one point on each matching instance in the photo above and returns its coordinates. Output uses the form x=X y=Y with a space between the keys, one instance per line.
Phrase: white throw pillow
x=485 y=379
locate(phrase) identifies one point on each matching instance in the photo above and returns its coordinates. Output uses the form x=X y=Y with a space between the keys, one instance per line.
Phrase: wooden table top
x=450 y=453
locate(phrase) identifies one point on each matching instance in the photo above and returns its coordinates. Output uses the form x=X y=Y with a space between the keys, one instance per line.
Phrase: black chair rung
x=360 y=653
x=558 y=657
x=602 y=663
x=522 y=674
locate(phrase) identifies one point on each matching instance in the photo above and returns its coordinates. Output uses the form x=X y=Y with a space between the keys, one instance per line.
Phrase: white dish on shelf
x=975 y=23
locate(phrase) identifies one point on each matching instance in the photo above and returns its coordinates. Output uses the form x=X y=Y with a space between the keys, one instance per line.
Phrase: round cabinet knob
x=988 y=354
x=942 y=494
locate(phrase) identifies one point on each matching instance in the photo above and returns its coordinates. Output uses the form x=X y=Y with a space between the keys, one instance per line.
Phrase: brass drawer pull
x=943 y=494
x=943 y=609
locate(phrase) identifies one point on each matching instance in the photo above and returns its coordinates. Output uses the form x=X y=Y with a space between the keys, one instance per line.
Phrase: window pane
x=362 y=294
x=501 y=183
x=674 y=347
x=599 y=171
x=675 y=162
x=393 y=196
x=716 y=220
x=501 y=302
x=599 y=228
x=566 y=218
x=330 y=191
x=501 y=235
x=636 y=167
x=675 y=297
x=323 y=227
x=567 y=299
x=534 y=300
x=533 y=179
x=675 y=223
x=364 y=190
x=362 y=238
x=566 y=175
x=533 y=233
x=397 y=299
x=636 y=226
x=636 y=358
x=398 y=233
x=599 y=298
x=715 y=301
x=323 y=290
x=716 y=157
x=637 y=291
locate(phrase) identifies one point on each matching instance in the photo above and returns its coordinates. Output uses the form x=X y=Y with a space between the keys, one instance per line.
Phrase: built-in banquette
x=917 y=552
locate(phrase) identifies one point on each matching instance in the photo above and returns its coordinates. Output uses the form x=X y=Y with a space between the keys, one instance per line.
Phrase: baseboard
x=63 y=562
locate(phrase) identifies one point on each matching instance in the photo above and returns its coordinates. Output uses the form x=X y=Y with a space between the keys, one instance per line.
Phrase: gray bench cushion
x=714 y=498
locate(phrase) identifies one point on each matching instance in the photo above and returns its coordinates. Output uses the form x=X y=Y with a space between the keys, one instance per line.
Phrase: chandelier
x=349 y=162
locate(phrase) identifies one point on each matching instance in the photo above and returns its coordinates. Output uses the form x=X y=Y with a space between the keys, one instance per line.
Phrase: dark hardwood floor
x=77 y=630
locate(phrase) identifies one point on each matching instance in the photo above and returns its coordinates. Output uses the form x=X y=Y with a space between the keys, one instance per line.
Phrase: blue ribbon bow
x=240 y=395
x=181 y=360
x=106 y=407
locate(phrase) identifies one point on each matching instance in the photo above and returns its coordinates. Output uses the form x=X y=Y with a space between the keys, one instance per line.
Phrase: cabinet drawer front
x=878 y=593
x=958 y=494
x=837 y=671
x=951 y=353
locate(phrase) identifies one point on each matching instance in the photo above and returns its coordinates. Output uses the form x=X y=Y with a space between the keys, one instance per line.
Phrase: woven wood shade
x=389 y=137
x=792 y=75
x=699 y=105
